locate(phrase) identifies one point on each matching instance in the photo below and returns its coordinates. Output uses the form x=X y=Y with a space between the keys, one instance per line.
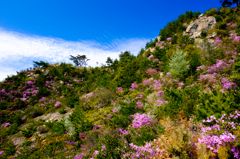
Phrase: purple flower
x=1 y=152
x=169 y=39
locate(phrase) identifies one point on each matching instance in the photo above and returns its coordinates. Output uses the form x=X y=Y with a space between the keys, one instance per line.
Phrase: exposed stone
x=32 y=75
x=198 y=41
x=46 y=72
x=151 y=49
x=211 y=41
x=201 y=15
x=18 y=139
x=54 y=116
x=185 y=24
x=212 y=35
x=159 y=38
x=202 y=23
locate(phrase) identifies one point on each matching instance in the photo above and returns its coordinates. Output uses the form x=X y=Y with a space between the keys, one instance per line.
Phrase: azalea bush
x=221 y=133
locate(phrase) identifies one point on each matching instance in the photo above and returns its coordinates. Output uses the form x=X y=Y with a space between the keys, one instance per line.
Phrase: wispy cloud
x=17 y=51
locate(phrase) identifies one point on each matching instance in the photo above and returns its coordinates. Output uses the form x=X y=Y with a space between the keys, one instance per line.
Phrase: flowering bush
x=140 y=120
x=134 y=86
x=146 y=151
x=220 y=132
x=220 y=66
x=147 y=82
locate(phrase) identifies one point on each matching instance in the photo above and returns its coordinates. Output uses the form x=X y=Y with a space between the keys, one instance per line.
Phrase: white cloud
x=17 y=51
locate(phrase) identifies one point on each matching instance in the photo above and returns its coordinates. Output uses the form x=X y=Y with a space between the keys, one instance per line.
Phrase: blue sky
x=52 y=30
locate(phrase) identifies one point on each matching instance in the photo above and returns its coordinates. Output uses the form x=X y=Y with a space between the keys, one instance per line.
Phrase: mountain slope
x=178 y=98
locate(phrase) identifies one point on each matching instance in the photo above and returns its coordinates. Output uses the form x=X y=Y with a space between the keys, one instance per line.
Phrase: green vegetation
x=163 y=103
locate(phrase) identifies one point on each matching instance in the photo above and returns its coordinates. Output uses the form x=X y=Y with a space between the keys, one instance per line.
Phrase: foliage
x=29 y=130
x=79 y=60
x=144 y=106
x=178 y=64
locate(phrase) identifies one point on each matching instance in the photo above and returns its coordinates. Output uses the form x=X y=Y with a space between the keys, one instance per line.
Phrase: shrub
x=221 y=132
x=214 y=104
x=151 y=43
x=221 y=25
x=29 y=130
x=178 y=64
x=8 y=147
x=203 y=34
x=186 y=40
x=120 y=121
x=43 y=92
x=57 y=129
x=104 y=97
x=3 y=105
x=194 y=63
x=211 y=12
x=218 y=18
x=13 y=129
x=63 y=110
x=79 y=121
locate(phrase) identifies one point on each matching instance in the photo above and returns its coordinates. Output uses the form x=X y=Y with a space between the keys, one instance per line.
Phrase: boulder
x=196 y=27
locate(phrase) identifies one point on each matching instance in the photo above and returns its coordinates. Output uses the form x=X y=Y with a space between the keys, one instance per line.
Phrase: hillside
x=178 y=98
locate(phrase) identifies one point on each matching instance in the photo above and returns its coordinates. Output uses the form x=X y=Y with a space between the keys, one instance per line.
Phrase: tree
x=79 y=60
x=109 y=61
x=41 y=63
x=228 y=3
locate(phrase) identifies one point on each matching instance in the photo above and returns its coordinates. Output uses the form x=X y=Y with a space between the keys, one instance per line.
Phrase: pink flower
x=1 y=152
x=160 y=93
x=57 y=104
x=147 y=82
x=103 y=148
x=120 y=89
x=134 y=86
x=96 y=152
x=169 y=39
x=24 y=99
x=18 y=152
x=7 y=124
x=81 y=134
x=218 y=40
x=150 y=57
x=114 y=110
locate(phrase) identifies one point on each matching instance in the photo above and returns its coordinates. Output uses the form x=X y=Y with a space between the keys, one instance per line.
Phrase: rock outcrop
x=54 y=116
x=202 y=23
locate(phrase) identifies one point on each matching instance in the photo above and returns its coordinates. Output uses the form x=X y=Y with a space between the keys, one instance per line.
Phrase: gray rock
x=54 y=116
x=18 y=140
x=196 y=27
